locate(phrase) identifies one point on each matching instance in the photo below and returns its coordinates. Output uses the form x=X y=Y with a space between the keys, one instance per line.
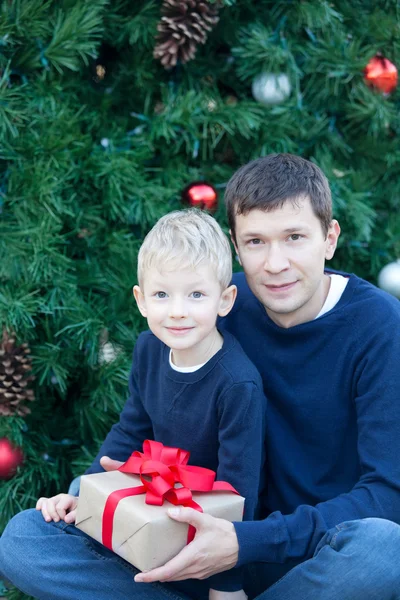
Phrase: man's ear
x=140 y=301
x=228 y=298
x=331 y=239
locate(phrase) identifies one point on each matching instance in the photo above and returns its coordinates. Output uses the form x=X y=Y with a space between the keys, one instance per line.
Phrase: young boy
x=189 y=386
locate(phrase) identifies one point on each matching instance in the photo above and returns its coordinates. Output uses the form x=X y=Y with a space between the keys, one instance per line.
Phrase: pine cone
x=184 y=25
x=15 y=364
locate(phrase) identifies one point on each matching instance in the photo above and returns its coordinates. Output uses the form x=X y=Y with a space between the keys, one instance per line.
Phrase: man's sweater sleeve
x=241 y=454
x=133 y=427
x=377 y=493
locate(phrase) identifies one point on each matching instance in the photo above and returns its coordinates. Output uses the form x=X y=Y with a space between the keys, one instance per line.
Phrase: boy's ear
x=140 y=301
x=228 y=298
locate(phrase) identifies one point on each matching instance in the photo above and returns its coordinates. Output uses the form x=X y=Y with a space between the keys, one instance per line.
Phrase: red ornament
x=381 y=73
x=200 y=194
x=10 y=458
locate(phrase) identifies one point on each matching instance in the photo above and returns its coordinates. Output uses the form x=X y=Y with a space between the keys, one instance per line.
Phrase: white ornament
x=108 y=352
x=105 y=142
x=270 y=88
x=389 y=278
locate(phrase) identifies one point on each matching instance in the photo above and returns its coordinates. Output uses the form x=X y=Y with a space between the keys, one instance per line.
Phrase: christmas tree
x=108 y=110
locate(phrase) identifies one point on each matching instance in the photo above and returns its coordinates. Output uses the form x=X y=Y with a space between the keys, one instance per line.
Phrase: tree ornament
x=389 y=278
x=10 y=458
x=381 y=73
x=108 y=351
x=271 y=88
x=15 y=366
x=184 y=25
x=200 y=194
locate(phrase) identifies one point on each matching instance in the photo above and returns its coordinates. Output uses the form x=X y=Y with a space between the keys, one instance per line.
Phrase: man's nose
x=276 y=260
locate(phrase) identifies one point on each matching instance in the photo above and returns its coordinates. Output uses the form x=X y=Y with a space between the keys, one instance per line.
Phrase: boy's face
x=181 y=307
x=283 y=254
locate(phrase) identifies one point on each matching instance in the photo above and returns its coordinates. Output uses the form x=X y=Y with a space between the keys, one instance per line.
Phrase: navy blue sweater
x=333 y=418
x=216 y=412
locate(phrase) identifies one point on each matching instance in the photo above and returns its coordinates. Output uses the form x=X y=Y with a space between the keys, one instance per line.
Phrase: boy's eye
x=254 y=242
x=197 y=294
x=295 y=236
x=160 y=295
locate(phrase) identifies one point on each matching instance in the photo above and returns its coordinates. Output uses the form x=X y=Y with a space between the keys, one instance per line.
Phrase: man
x=328 y=349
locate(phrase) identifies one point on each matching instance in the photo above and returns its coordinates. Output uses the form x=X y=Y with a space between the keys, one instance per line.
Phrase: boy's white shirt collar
x=184 y=369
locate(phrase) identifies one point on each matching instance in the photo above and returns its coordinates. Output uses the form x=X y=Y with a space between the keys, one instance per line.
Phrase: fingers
x=66 y=503
x=190 y=516
x=214 y=549
x=48 y=508
x=173 y=570
x=109 y=464
x=70 y=517
x=186 y=564
x=55 y=508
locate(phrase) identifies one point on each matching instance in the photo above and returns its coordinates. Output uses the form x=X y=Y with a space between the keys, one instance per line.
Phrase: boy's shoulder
x=147 y=343
x=235 y=364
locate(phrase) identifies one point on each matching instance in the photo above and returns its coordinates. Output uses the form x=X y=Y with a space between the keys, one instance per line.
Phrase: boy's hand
x=109 y=464
x=216 y=595
x=60 y=507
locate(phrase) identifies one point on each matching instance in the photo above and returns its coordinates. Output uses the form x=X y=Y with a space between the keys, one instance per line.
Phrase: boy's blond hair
x=186 y=238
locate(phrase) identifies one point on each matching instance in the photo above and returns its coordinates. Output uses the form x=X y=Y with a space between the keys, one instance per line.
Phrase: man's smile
x=281 y=287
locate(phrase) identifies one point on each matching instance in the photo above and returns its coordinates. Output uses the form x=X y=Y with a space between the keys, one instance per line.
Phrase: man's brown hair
x=267 y=183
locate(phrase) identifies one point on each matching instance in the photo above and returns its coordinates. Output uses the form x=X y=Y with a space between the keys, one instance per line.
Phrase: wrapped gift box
x=143 y=534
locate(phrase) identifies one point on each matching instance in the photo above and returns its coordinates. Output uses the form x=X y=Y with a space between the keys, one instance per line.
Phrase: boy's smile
x=181 y=307
x=179 y=330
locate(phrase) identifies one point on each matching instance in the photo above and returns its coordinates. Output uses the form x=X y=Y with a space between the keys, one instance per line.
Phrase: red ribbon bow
x=160 y=468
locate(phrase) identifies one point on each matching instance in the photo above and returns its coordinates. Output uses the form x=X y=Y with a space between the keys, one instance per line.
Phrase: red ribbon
x=160 y=468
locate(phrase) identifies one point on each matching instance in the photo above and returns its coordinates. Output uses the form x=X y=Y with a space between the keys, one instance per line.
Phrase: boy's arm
x=241 y=412
x=133 y=427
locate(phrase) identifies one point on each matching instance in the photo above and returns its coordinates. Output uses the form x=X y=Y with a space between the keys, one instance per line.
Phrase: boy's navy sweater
x=216 y=413
x=333 y=418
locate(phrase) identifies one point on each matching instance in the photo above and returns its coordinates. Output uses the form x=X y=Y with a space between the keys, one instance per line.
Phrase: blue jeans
x=357 y=560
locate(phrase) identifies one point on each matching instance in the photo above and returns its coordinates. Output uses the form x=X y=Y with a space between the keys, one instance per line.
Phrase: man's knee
x=372 y=533
x=372 y=547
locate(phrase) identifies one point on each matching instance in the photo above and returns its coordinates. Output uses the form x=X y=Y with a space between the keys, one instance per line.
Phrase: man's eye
x=197 y=294
x=255 y=242
x=295 y=236
x=160 y=295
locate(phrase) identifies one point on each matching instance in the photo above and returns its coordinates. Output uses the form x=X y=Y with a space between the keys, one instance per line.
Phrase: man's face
x=283 y=254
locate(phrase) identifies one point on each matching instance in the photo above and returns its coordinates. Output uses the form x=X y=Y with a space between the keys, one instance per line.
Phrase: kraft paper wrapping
x=143 y=534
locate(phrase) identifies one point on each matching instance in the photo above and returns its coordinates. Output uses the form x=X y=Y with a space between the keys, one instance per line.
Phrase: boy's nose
x=177 y=309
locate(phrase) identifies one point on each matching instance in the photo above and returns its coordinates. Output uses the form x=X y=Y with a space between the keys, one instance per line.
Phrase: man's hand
x=214 y=549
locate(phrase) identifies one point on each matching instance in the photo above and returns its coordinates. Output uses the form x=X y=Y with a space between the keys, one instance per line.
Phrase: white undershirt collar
x=336 y=289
